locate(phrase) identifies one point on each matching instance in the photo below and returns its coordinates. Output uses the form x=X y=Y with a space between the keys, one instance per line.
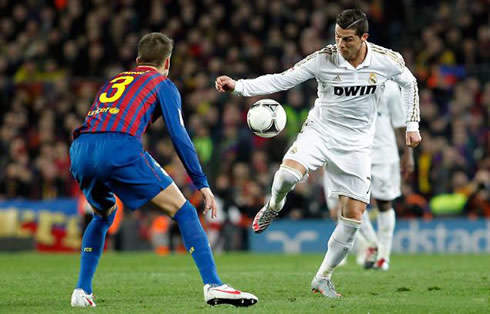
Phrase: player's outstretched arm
x=225 y=84
x=271 y=83
x=171 y=106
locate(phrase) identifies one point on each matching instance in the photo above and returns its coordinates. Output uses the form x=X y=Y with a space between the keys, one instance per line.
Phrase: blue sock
x=196 y=243
x=92 y=247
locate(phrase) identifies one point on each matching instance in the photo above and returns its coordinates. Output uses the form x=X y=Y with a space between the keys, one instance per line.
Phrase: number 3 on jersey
x=121 y=84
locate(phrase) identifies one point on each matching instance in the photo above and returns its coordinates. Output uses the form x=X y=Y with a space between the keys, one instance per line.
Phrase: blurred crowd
x=54 y=54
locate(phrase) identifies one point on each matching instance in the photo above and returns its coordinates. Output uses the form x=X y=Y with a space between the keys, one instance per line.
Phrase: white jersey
x=345 y=109
x=391 y=116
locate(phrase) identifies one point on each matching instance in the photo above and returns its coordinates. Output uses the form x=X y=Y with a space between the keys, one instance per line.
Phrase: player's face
x=348 y=43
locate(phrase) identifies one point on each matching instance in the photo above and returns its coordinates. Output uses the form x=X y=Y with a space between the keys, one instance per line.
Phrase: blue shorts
x=111 y=163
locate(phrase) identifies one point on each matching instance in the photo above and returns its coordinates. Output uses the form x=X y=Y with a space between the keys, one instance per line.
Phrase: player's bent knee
x=353 y=214
x=105 y=213
x=169 y=200
x=297 y=166
x=286 y=178
x=352 y=208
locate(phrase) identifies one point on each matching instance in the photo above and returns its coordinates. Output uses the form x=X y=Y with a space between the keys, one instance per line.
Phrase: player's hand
x=407 y=163
x=413 y=138
x=209 y=202
x=225 y=84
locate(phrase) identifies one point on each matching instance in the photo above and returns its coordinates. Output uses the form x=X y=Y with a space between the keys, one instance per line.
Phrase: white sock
x=339 y=245
x=285 y=180
x=367 y=230
x=386 y=226
x=360 y=248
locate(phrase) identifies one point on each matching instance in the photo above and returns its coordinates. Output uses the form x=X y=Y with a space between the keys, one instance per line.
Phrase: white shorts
x=347 y=172
x=386 y=181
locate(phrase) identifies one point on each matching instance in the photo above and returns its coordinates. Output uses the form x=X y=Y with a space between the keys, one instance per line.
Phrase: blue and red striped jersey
x=131 y=101
x=127 y=103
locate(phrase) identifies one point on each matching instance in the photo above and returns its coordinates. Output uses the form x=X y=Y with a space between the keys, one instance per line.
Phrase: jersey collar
x=145 y=67
x=369 y=56
x=367 y=61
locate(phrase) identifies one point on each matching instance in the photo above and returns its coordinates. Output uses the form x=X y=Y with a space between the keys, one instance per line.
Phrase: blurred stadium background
x=55 y=53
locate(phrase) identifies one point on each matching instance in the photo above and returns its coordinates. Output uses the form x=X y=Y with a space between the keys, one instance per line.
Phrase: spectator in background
x=478 y=203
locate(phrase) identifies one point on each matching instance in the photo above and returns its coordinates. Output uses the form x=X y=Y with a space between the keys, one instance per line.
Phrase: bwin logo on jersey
x=354 y=90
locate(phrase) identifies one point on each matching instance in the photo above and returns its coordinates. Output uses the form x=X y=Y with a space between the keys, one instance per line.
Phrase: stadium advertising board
x=458 y=235
x=41 y=225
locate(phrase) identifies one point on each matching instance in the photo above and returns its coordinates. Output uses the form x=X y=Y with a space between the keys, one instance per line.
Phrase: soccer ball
x=266 y=118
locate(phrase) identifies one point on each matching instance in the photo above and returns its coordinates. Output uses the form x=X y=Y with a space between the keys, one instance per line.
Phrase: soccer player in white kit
x=339 y=130
x=385 y=177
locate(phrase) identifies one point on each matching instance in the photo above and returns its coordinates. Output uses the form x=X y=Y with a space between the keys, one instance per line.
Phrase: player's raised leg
x=290 y=172
x=172 y=202
x=339 y=245
x=386 y=227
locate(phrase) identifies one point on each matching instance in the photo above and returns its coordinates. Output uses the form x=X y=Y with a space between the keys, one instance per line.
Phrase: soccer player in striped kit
x=107 y=158
x=339 y=130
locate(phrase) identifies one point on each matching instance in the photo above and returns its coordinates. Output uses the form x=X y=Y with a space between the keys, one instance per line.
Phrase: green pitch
x=134 y=283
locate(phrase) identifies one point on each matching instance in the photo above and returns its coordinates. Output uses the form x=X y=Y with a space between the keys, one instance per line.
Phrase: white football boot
x=80 y=299
x=324 y=286
x=224 y=294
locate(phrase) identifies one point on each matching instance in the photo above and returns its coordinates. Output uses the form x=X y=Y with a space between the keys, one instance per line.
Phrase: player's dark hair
x=353 y=19
x=153 y=48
